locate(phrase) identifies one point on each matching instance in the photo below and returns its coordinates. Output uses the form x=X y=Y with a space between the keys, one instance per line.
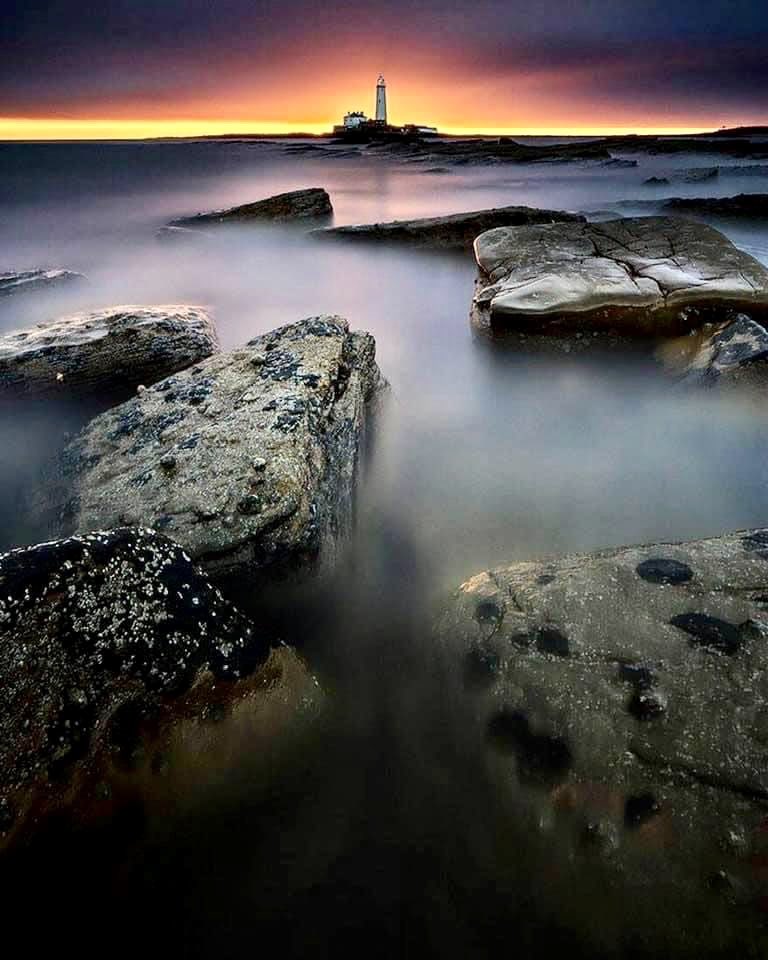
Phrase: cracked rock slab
x=248 y=459
x=310 y=204
x=454 y=232
x=628 y=688
x=635 y=277
x=25 y=281
x=105 y=353
x=89 y=625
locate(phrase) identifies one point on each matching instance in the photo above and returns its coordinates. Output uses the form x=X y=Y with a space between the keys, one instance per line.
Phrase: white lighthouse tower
x=381 y=100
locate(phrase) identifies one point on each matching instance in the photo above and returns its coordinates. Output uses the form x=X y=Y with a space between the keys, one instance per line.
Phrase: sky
x=132 y=68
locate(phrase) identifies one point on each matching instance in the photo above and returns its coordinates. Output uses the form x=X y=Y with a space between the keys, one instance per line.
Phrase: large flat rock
x=13 y=282
x=104 y=352
x=639 y=277
x=247 y=459
x=310 y=204
x=625 y=693
x=454 y=232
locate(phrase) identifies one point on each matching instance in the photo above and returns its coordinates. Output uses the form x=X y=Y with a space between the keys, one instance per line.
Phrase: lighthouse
x=381 y=100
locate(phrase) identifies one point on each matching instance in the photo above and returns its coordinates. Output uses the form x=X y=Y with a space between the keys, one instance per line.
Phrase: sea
x=384 y=837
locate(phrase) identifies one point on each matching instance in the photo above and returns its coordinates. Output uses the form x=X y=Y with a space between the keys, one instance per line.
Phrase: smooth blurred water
x=496 y=455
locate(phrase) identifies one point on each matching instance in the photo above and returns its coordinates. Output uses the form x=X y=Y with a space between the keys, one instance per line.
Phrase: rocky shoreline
x=620 y=696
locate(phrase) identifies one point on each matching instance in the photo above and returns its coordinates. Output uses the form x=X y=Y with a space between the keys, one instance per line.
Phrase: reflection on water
x=387 y=835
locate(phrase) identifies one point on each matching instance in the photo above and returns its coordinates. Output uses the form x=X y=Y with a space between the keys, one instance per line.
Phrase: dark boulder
x=310 y=204
x=453 y=232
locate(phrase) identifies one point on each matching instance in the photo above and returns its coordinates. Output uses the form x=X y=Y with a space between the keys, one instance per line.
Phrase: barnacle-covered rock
x=246 y=459
x=95 y=628
x=106 y=353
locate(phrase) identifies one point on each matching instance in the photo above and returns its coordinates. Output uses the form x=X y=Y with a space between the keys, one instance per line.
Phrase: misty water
x=385 y=836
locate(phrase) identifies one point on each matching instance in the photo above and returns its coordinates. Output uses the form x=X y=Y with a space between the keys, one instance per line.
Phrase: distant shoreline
x=725 y=132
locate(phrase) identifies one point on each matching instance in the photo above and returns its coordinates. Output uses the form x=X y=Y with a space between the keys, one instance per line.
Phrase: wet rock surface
x=454 y=232
x=14 y=282
x=458 y=152
x=455 y=152
x=310 y=204
x=728 y=354
x=652 y=721
x=97 y=633
x=638 y=277
x=744 y=206
x=105 y=352
x=181 y=235
x=248 y=459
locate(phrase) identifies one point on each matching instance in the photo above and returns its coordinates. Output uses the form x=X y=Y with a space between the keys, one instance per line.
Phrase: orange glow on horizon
x=41 y=128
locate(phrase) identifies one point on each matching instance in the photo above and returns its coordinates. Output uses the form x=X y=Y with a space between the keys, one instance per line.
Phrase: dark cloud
x=64 y=56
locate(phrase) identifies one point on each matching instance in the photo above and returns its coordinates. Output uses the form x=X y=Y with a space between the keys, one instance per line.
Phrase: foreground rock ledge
x=454 y=232
x=310 y=204
x=642 y=277
x=24 y=281
x=627 y=690
x=92 y=628
x=248 y=459
x=107 y=352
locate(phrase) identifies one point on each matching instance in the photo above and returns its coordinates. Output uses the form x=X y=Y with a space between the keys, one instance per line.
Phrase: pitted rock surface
x=93 y=622
x=641 y=277
x=657 y=687
x=246 y=459
x=454 y=232
x=310 y=204
x=107 y=352
x=24 y=281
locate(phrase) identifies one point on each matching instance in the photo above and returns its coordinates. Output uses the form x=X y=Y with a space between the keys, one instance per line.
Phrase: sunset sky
x=132 y=68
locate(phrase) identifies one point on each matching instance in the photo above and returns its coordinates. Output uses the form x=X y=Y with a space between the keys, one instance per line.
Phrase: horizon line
x=31 y=130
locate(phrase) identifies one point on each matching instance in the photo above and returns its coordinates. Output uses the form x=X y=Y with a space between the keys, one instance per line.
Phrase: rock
x=297 y=398
x=727 y=353
x=656 y=182
x=620 y=163
x=635 y=277
x=745 y=206
x=180 y=235
x=652 y=720
x=105 y=353
x=745 y=170
x=697 y=174
x=454 y=232
x=310 y=204
x=480 y=150
x=24 y=281
x=93 y=629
